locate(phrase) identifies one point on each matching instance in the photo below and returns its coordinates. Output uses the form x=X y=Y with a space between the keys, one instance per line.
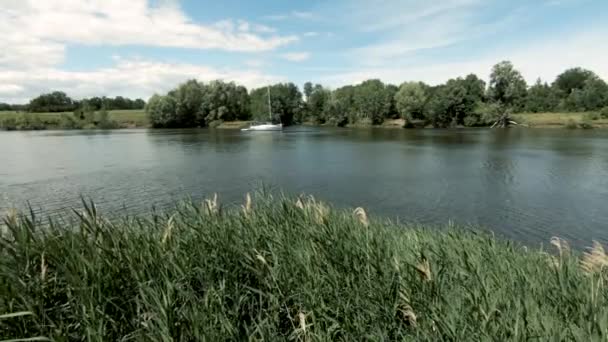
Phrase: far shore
x=133 y=119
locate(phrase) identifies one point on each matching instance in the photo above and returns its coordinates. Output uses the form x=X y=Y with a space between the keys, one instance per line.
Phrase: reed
x=279 y=268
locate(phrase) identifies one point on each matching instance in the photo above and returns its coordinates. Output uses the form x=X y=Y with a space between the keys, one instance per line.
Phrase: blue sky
x=138 y=47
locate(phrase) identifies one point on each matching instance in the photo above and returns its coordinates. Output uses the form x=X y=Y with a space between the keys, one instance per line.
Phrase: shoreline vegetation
x=278 y=268
x=577 y=98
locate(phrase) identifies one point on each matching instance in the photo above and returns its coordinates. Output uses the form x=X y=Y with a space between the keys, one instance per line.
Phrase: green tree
x=507 y=86
x=340 y=106
x=56 y=101
x=308 y=89
x=392 y=90
x=161 y=111
x=541 y=98
x=455 y=102
x=317 y=103
x=571 y=80
x=411 y=99
x=223 y=101
x=593 y=96
x=188 y=100
x=286 y=101
x=372 y=101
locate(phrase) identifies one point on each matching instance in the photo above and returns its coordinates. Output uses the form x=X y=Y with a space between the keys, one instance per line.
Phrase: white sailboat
x=265 y=126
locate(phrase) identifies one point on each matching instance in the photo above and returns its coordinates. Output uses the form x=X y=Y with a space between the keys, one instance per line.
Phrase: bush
x=571 y=124
x=604 y=113
x=215 y=123
x=591 y=116
x=585 y=124
x=8 y=123
x=67 y=121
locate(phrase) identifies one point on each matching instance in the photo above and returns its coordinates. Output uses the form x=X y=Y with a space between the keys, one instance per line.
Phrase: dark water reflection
x=525 y=184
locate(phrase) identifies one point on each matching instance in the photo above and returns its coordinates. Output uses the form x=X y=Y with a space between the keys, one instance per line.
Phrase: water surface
x=523 y=184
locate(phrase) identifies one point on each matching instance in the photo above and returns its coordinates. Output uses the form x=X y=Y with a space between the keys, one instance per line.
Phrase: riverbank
x=139 y=119
x=66 y=120
x=286 y=268
x=561 y=120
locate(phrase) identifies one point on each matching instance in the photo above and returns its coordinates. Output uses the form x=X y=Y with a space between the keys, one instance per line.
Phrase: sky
x=136 y=48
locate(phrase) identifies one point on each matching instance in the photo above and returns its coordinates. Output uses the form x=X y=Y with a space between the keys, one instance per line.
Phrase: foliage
x=56 y=101
x=604 y=113
x=507 y=86
x=317 y=104
x=411 y=99
x=161 y=111
x=371 y=101
x=287 y=269
x=224 y=102
x=571 y=80
x=541 y=98
x=451 y=103
x=286 y=103
x=592 y=96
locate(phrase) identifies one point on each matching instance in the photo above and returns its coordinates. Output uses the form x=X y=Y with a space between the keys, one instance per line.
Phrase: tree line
x=58 y=101
x=462 y=101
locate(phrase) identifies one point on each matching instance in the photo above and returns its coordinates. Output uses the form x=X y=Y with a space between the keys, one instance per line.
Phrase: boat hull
x=264 y=127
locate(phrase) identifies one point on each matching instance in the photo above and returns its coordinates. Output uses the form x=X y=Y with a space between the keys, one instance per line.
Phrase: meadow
x=136 y=118
x=561 y=119
x=280 y=268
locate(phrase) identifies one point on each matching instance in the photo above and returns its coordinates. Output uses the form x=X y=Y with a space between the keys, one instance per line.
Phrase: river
x=524 y=184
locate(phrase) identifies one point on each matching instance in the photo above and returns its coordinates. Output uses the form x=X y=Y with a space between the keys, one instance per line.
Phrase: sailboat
x=265 y=126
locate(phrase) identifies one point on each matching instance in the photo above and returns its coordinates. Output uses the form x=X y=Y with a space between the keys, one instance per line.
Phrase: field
x=558 y=120
x=124 y=118
x=281 y=268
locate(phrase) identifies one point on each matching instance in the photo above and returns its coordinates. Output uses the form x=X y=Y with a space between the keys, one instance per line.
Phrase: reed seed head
x=361 y=215
x=595 y=259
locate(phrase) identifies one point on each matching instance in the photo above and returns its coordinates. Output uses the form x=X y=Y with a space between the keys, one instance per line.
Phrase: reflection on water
x=524 y=184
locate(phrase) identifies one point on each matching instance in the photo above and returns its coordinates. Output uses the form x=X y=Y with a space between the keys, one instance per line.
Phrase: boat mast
x=269 y=106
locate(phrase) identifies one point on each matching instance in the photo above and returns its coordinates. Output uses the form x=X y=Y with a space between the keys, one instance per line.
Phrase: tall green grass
x=288 y=269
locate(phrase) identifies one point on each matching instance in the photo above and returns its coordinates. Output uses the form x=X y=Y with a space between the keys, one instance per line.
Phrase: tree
x=593 y=96
x=223 y=101
x=286 y=100
x=161 y=111
x=455 y=102
x=541 y=98
x=392 y=90
x=56 y=101
x=5 y=107
x=571 y=80
x=340 y=106
x=317 y=103
x=507 y=86
x=411 y=99
x=308 y=89
x=188 y=100
x=372 y=101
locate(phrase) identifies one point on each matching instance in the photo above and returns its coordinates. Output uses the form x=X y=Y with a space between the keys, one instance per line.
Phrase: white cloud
x=128 y=77
x=296 y=56
x=310 y=34
x=36 y=32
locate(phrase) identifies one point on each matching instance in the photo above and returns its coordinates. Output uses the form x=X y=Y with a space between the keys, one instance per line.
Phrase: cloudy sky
x=138 y=47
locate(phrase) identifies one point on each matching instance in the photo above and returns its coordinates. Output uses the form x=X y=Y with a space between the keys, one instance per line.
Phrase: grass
x=124 y=118
x=288 y=269
x=560 y=120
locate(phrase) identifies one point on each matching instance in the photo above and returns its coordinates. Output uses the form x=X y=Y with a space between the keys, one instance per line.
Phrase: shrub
x=571 y=124
x=604 y=113
x=591 y=116
x=585 y=124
